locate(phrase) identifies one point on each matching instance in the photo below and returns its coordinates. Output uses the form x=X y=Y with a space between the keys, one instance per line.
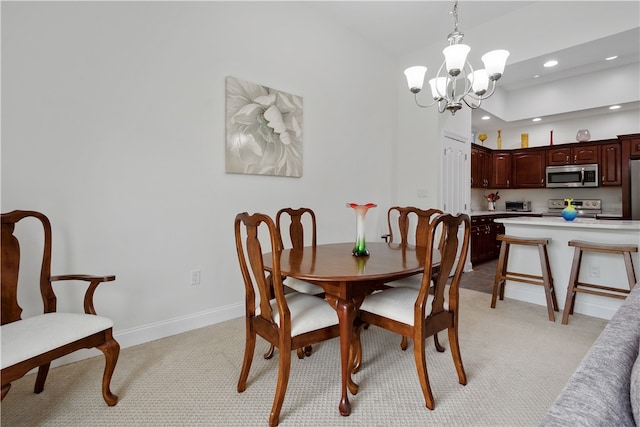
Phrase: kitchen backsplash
x=611 y=197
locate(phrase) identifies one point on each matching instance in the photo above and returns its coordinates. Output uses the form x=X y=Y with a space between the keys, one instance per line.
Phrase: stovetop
x=587 y=208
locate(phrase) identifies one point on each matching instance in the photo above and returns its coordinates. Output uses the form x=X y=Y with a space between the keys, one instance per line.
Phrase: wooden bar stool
x=587 y=288
x=502 y=273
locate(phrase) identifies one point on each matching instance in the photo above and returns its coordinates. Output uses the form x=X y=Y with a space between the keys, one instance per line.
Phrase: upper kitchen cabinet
x=577 y=155
x=610 y=164
x=480 y=167
x=528 y=168
x=501 y=170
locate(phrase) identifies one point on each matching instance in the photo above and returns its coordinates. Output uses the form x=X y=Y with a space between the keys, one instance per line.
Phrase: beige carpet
x=515 y=359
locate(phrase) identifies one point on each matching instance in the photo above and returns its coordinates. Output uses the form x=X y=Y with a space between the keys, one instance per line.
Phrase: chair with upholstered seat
x=35 y=341
x=297 y=218
x=418 y=313
x=403 y=220
x=287 y=321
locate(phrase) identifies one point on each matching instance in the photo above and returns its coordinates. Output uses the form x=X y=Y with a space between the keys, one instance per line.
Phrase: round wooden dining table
x=346 y=280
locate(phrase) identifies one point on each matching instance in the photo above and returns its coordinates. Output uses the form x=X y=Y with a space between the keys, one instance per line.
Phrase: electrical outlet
x=195 y=277
x=594 y=270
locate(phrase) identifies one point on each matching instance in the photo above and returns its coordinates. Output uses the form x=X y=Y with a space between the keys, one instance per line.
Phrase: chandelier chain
x=454 y=12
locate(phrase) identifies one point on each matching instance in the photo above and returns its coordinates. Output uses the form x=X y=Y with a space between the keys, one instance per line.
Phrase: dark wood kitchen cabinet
x=483 y=239
x=577 y=155
x=528 y=168
x=484 y=229
x=610 y=164
x=501 y=170
x=480 y=167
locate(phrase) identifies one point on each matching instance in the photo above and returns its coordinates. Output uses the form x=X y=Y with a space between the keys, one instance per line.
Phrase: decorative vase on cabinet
x=583 y=135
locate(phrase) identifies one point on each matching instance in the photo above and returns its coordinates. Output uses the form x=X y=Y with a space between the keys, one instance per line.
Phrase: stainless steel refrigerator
x=634 y=175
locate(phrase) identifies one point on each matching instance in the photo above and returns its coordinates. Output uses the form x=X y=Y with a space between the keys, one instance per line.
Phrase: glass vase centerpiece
x=569 y=213
x=360 y=248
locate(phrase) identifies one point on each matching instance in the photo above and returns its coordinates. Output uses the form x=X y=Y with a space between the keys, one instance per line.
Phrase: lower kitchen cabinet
x=484 y=246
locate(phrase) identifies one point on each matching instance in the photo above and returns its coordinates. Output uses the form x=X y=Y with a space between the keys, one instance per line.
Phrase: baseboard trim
x=166 y=328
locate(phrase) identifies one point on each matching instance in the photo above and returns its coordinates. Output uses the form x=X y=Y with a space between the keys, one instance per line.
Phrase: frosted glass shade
x=479 y=81
x=438 y=87
x=455 y=57
x=415 y=77
x=494 y=63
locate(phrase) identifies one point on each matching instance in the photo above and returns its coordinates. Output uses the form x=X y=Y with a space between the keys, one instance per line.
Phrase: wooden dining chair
x=296 y=218
x=418 y=313
x=287 y=321
x=35 y=341
x=403 y=220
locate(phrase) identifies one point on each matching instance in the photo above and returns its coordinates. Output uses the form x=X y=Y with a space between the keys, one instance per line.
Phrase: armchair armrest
x=94 y=281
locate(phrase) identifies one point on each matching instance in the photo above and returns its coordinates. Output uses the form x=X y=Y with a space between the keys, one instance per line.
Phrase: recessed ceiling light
x=551 y=63
x=536 y=76
x=485 y=117
x=614 y=107
x=611 y=58
x=537 y=119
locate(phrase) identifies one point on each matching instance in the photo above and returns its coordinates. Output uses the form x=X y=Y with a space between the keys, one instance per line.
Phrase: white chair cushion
x=302 y=286
x=396 y=303
x=308 y=313
x=414 y=282
x=24 y=339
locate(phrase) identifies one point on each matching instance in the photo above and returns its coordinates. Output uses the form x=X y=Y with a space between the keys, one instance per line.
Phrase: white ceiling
x=402 y=27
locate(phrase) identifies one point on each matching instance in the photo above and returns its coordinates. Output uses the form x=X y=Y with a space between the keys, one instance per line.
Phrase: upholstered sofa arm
x=600 y=392
x=94 y=281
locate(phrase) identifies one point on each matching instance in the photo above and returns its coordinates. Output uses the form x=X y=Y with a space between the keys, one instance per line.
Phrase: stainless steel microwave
x=572 y=176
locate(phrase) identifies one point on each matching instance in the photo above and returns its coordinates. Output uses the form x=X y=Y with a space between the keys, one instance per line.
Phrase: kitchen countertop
x=478 y=213
x=590 y=223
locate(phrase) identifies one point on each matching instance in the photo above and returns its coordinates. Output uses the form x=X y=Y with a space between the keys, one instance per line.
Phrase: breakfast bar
x=603 y=268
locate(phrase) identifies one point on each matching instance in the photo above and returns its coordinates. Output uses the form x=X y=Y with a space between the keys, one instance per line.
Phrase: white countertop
x=478 y=213
x=576 y=223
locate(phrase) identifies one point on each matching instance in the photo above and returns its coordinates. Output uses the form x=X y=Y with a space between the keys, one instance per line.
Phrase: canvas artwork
x=264 y=130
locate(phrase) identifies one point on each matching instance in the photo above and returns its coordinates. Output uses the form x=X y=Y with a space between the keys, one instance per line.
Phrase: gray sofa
x=605 y=389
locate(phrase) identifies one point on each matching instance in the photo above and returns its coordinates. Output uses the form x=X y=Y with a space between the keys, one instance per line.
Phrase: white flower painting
x=264 y=130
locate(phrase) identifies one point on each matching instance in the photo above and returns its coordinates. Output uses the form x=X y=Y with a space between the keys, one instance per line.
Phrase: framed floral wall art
x=264 y=130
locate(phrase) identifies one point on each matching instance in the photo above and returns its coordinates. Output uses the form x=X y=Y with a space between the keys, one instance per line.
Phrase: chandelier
x=460 y=83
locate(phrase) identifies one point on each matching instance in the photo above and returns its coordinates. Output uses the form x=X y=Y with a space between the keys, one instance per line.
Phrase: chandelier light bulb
x=494 y=63
x=479 y=81
x=438 y=87
x=455 y=57
x=415 y=77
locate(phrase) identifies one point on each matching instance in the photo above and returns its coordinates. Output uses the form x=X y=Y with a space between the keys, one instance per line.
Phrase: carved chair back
x=11 y=310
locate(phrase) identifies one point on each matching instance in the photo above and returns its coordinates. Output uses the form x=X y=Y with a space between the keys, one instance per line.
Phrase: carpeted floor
x=515 y=359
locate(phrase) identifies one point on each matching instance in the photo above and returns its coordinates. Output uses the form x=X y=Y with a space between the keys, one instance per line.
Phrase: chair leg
x=281 y=388
x=455 y=354
x=421 y=366
x=111 y=351
x=43 y=370
x=249 y=348
x=404 y=343
x=269 y=354
x=439 y=348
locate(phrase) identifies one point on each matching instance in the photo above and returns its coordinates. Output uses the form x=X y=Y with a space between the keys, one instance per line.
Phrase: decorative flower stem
x=360 y=249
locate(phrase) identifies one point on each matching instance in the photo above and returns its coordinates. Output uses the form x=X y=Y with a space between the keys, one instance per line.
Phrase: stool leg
x=631 y=275
x=551 y=282
x=499 y=274
x=571 y=287
x=505 y=270
x=546 y=281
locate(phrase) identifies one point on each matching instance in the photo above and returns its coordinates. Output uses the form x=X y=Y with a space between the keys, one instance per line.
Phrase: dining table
x=346 y=280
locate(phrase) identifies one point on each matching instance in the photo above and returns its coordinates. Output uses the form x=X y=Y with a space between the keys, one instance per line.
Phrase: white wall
x=113 y=125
